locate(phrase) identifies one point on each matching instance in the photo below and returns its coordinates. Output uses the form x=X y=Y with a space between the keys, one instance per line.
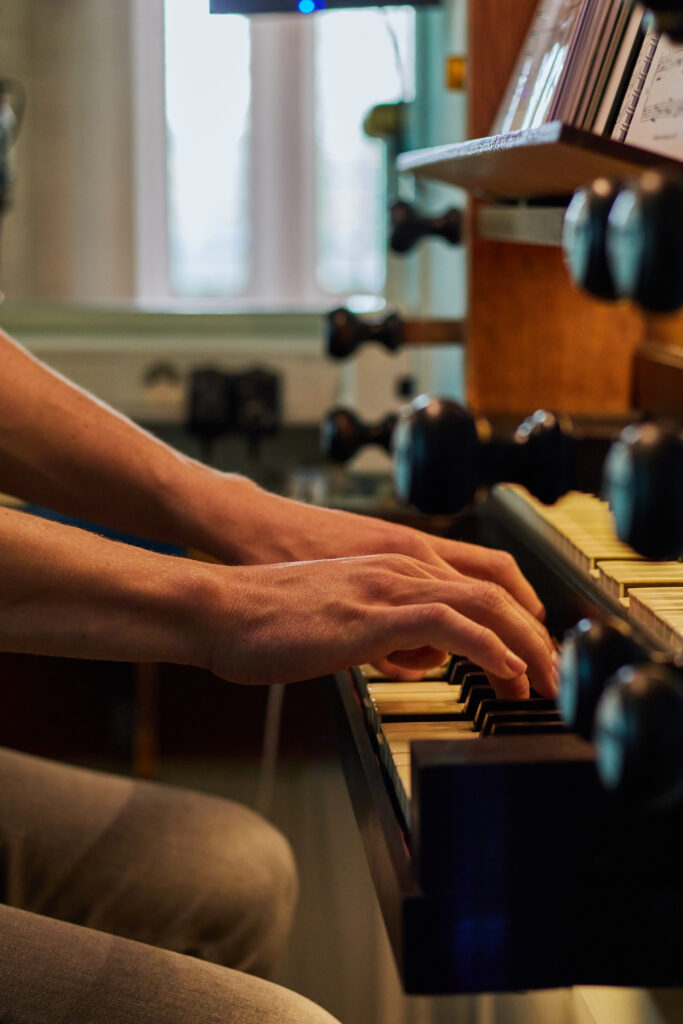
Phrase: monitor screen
x=302 y=6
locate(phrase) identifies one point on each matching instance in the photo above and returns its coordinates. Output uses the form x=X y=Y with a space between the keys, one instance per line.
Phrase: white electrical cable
x=269 y=752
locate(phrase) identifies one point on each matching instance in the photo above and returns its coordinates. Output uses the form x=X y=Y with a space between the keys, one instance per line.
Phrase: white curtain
x=70 y=233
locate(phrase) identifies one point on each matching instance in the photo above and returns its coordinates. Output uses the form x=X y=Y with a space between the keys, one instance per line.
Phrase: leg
x=159 y=865
x=52 y=971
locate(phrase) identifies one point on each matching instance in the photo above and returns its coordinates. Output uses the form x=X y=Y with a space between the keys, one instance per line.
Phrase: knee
x=271 y=887
x=250 y=882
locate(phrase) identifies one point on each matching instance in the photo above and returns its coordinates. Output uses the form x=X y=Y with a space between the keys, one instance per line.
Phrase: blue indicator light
x=306 y=6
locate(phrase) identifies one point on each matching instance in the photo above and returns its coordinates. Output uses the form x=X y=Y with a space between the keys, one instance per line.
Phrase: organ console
x=346 y=332
x=408 y=226
x=500 y=859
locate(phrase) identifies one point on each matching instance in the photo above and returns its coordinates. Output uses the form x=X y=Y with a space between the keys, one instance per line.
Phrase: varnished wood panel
x=535 y=340
x=496 y=33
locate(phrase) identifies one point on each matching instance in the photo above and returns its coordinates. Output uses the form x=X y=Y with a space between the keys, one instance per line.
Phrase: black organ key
x=527 y=728
x=474 y=698
x=459 y=668
x=472 y=678
x=496 y=718
x=524 y=707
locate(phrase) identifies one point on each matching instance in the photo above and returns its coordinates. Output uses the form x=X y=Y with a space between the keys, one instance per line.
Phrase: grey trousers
x=113 y=889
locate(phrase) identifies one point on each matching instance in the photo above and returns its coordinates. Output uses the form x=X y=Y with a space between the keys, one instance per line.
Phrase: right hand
x=300 y=620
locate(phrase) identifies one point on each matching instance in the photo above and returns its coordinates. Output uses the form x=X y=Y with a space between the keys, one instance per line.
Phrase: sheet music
x=658 y=119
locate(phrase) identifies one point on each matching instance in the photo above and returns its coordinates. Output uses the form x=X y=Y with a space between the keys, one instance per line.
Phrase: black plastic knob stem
x=639 y=734
x=591 y=653
x=645 y=242
x=643 y=482
x=442 y=456
x=345 y=332
x=343 y=433
x=584 y=238
x=408 y=226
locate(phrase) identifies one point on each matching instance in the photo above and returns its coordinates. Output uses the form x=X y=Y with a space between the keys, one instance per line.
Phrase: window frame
x=282 y=152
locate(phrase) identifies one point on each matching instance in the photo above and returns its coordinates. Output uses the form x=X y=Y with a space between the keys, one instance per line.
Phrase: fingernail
x=514 y=663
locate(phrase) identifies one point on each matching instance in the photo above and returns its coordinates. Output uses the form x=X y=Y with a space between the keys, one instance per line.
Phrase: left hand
x=271 y=529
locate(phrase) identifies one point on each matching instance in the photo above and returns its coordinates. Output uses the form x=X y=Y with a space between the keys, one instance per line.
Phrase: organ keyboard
x=499 y=861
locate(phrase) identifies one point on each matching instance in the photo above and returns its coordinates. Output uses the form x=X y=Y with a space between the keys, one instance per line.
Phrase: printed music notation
x=667 y=76
x=658 y=121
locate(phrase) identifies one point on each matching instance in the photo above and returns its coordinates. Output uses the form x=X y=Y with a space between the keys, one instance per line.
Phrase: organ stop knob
x=644 y=485
x=346 y=332
x=408 y=226
x=639 y=733
x=668 y=17
x=442 y=456
x=343 y=433
x=645 y=242
x=591 y=653
x=584 y=238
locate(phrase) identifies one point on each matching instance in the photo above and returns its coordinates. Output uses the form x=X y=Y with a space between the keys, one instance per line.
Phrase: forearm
x=70 y=593
x=62 y=448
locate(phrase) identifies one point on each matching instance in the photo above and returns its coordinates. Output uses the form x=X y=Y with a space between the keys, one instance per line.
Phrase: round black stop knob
x=668 y=17
x=345 y=332
x=645 y=242
x=342 y=433
x=639 y=733
x=408 y=226
x=584 y=238
x=591 y=653
x=643 y=481
x=436 y=455
x=442 y=456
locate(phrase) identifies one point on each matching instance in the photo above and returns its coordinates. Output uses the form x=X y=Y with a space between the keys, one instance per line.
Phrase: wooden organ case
x=500 y=863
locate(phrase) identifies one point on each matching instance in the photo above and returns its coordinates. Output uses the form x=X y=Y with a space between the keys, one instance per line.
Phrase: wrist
x=227 y=516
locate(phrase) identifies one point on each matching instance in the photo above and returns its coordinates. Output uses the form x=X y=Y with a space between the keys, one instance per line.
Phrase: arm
x=62 y=448
x=70 y=593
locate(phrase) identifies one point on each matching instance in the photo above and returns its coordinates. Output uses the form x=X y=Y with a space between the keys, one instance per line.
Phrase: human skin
x=302 y=590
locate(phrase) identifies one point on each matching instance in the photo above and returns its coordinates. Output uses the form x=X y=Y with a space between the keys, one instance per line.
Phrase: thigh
x=52 y=971
x=152 y=863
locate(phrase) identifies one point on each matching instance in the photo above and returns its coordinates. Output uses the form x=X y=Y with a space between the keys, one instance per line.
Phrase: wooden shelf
x=551 y=160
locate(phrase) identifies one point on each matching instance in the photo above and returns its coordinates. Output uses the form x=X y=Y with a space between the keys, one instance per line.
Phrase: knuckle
x=432 y=615
x=402 y=564
x=483 y=638
x=505 y=561
x=489 y=594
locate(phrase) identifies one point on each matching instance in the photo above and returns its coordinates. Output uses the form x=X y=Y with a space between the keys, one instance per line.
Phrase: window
x=274 y=194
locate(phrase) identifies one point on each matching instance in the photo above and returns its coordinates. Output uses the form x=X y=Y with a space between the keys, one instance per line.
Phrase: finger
x=416 y=662
x=532 y=620
x=487 y=603
x=499 y=566
x=396 y=672
x=516 y=688
x=442 y=628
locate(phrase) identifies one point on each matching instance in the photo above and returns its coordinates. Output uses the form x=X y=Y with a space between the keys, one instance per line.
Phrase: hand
x=265 y=528
x=280 y=623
